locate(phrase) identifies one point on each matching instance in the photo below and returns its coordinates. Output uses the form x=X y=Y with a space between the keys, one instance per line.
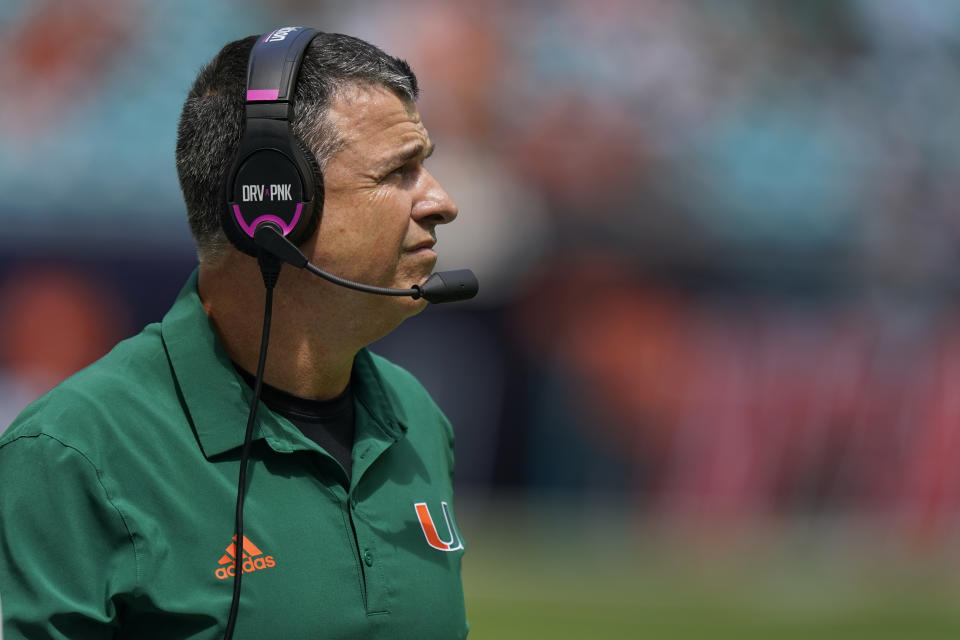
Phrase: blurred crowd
x=717 y=241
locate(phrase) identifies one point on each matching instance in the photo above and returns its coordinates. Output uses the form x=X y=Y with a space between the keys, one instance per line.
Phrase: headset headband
x=274 y=64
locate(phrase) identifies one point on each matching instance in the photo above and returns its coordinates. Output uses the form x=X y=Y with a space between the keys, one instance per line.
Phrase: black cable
x=443 y=286
x=273 y=250
x=269 y=238
x=350 y=284
x=270 y=269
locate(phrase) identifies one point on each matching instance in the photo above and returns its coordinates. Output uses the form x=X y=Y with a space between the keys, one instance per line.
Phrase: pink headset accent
x=285 y=227
x=255 y=95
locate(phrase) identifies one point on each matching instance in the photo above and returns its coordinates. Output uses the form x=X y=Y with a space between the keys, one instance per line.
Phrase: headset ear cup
x=312 y=217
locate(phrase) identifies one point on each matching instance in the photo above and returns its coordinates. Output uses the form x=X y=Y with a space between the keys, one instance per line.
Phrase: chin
x=402 y=305
x=411 y=306
x=389 y=313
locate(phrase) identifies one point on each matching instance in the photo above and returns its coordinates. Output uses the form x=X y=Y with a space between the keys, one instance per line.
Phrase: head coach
x=247 y=467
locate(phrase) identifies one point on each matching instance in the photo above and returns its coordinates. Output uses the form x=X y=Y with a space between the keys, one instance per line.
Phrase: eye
x=392 y=175
x=402 y=172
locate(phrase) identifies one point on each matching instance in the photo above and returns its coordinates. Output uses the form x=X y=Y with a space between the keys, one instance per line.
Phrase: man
x=117 y=488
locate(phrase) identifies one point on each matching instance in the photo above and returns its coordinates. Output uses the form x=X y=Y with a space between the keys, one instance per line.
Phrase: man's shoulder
x=107 y=387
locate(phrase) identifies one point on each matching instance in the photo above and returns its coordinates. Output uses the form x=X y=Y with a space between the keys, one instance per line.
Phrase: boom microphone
x=443 y=286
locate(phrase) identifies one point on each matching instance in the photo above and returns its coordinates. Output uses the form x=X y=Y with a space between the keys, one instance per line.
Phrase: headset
x=273 y=198
x=274 y=177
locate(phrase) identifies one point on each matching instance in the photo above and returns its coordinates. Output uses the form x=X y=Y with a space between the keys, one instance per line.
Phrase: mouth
x=424 y=247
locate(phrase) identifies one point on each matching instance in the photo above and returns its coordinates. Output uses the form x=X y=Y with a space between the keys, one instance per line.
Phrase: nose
x=435 y=206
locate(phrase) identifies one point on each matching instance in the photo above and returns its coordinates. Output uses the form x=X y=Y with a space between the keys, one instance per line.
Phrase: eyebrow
x=403 y=157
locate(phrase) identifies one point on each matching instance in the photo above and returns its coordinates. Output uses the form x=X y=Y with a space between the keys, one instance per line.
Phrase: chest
x=380 y=560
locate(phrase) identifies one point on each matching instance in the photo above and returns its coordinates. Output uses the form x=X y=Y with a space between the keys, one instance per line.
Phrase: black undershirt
x=329 y=423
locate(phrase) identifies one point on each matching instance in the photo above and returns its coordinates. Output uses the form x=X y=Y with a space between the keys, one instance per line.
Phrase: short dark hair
x=212 y=118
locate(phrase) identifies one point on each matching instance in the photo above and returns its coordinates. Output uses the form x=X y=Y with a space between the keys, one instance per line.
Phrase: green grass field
x=532 y=572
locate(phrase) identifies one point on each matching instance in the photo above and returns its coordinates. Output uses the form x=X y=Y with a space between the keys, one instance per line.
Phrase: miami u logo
x=430 y=529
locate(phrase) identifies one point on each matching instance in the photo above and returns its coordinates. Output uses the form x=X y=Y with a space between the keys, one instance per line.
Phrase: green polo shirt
x=117 y=495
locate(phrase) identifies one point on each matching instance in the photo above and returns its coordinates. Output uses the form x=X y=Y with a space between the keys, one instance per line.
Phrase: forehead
x=371 y=119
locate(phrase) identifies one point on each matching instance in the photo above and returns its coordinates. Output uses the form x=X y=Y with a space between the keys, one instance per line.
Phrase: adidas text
x=249 y=565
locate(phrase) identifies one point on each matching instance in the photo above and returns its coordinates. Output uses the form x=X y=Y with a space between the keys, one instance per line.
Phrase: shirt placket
x=370 y=445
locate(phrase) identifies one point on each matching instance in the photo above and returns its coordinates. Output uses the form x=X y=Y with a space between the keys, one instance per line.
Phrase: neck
x=315 y=332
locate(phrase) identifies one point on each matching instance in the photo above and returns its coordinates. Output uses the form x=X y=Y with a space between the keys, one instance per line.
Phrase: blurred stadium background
x=711 y=387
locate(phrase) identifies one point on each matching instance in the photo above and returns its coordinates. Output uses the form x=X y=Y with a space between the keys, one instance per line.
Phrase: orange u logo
x=430 y=530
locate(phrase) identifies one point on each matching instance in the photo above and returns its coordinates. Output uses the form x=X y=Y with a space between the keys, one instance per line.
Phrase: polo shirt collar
x=380 y=420
x=217 y=399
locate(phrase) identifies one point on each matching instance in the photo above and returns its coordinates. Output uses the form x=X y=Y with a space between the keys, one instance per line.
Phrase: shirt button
x=368 y=557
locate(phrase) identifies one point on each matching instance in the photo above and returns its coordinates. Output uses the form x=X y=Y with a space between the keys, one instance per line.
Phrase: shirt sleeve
x=67 y=557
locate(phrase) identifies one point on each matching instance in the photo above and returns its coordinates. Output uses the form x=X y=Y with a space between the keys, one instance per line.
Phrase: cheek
x=372 y=225
x=385 y=217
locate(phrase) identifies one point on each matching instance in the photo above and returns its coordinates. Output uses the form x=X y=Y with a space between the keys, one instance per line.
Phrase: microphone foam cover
x=450 y=286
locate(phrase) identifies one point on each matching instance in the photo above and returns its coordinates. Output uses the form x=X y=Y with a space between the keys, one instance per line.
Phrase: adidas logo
x=253 y=559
